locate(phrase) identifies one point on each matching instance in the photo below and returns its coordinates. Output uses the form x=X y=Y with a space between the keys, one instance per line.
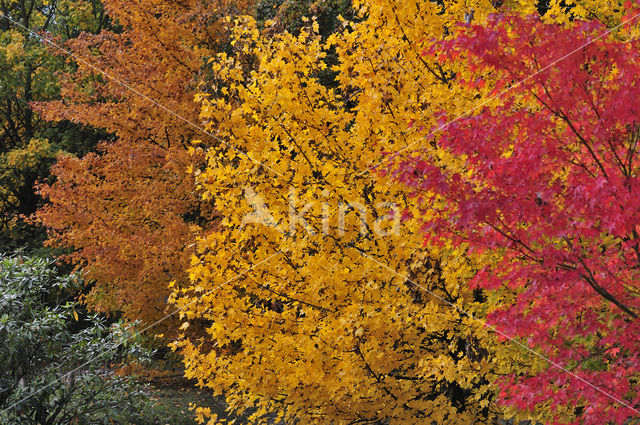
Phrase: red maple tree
x=549 y=178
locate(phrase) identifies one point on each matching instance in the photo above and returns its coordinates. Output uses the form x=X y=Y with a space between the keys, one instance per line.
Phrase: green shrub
x=57 y=368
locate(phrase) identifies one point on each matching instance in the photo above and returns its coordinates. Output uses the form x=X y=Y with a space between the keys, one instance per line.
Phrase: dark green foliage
x=56 y=367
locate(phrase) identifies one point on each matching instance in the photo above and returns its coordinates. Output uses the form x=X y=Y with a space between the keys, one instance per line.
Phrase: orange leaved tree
x=128 y=211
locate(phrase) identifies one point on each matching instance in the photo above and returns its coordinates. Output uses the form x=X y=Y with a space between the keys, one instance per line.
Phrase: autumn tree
x=328 y=324
x=548 y=181
x=129 y=210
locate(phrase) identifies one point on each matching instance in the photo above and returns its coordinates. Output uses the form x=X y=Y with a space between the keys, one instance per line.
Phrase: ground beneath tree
x=172 y=401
